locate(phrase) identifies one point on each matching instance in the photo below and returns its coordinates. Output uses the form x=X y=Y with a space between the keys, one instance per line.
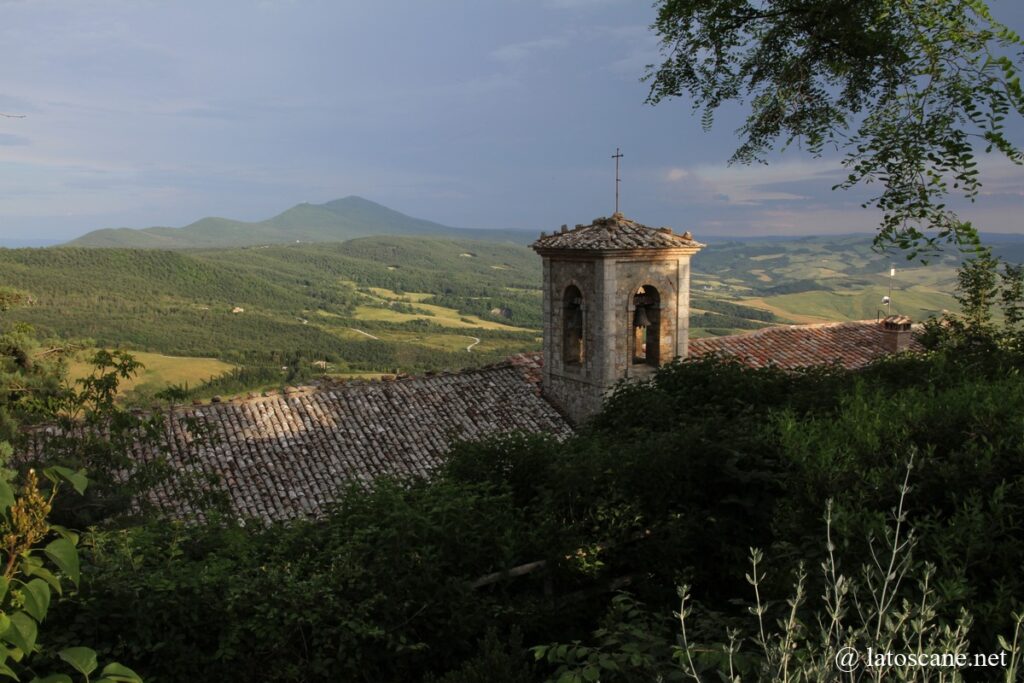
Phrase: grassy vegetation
x=818 y=279
x=441 y=315
x=158 y=371
x=850 y=304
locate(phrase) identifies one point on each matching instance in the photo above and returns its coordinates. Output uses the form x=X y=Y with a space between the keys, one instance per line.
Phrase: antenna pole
x=888 y=306
x=618 y=155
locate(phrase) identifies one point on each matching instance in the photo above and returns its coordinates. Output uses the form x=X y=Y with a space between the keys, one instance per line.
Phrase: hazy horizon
x=30 y=242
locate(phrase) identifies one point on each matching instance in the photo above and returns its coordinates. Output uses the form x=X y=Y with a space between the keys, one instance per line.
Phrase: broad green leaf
x=82 y=658
x=10 y=651
x=119 y=673
x=7 y=671
x=53 y=678
x=6 y=495
x=65 y=533
x=3 y=588
x=5 y=622
x=64 y=555
x=22 y=632
x=34 y=569
x=37 y=598
x=78 y=480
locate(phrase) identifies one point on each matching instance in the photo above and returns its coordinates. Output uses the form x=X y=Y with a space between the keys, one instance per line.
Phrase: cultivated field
x=160 y=371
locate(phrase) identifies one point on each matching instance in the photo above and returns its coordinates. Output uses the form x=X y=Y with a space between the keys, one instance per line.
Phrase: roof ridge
x=833 y=323
x=332 y=384
x=288 y=455
x=852 y=343
x=788 y=326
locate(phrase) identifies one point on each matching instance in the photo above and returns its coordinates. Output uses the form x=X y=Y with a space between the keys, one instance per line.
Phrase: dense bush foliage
x=379 y=591
x=921 y=451
x=38 y=558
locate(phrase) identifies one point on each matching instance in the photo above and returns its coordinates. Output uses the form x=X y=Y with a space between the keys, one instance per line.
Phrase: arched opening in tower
x=572 y=326
x=646 y=325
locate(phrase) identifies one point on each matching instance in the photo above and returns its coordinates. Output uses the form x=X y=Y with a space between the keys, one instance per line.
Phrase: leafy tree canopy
x=908 y=89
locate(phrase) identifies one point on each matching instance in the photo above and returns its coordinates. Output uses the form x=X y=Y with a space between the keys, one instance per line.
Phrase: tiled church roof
x=531 y=365
x=851 y=344
x=615 y=233
x=287 y=456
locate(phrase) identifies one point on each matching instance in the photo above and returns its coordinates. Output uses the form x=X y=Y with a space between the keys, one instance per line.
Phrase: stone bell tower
x=616 y=306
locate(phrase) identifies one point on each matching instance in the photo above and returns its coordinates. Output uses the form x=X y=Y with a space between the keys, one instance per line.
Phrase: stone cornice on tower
x=614 y=235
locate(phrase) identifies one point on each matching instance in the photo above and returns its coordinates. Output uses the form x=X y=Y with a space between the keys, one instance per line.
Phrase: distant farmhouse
x=616 y=307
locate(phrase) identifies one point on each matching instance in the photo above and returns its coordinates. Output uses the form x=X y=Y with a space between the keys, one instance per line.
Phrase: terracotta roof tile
x=615 y=233
x=287 y=456
x=851 y=344
x=531 y=365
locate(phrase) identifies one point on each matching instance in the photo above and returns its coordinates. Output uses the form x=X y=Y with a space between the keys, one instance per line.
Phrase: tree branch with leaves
x=909 y=90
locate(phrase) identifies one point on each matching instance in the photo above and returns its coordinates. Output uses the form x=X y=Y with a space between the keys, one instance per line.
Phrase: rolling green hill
x=363 y=306
x=824 y=279
x=334 y=221
x=411 y=304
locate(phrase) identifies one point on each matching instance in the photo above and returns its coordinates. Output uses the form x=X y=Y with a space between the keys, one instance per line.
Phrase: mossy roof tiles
x=615 y=233
x=287 y=456
x=850 y=344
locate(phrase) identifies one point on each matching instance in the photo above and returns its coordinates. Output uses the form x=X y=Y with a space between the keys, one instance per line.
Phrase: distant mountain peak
x=334 y=221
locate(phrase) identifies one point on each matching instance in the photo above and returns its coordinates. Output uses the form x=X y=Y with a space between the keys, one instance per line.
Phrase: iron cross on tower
x=618 y=155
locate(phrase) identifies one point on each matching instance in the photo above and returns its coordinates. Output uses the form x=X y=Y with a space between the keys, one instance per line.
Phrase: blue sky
x=495 y=114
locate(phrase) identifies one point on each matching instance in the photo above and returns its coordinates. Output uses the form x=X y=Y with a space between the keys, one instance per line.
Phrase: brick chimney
x=896 y=334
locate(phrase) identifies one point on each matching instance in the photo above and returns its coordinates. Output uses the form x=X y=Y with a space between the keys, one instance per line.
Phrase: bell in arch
x=641 y=319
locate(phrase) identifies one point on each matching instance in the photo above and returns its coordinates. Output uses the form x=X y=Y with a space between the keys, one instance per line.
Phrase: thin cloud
x=518 y=52
x=757 y=184
x=575 y=4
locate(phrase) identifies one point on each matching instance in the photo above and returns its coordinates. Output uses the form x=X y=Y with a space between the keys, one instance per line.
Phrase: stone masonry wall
x=572 y=387
x=608 y=285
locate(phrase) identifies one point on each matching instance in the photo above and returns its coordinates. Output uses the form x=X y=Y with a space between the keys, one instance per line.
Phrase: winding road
x=364 y=333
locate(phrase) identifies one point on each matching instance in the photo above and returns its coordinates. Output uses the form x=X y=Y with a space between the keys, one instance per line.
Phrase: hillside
x=412 y=304
x=334 y=221
x=822 y=279
x=285 y=313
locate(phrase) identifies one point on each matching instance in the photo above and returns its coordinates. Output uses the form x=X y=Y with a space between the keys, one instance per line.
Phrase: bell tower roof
x=615 y=233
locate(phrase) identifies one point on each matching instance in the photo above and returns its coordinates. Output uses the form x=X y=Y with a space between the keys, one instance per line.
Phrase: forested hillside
x=360 y=306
